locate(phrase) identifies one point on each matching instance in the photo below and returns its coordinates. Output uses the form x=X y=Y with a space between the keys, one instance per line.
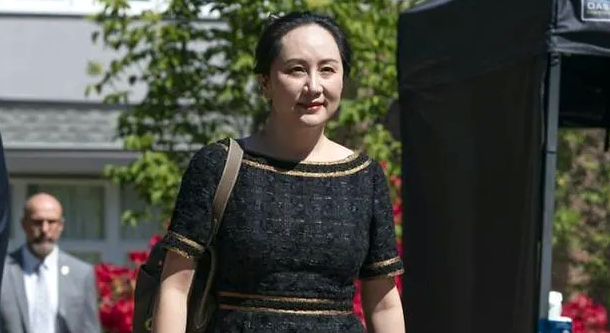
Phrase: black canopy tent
x=480 y=85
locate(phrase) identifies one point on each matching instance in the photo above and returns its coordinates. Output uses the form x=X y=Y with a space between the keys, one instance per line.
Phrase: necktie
x=40 y=320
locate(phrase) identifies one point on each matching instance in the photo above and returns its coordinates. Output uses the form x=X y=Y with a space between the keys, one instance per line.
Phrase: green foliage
x=582 y=204
x=200 y=86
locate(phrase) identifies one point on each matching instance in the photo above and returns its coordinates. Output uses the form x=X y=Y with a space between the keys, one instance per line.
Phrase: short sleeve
x=190 y=225
x=382 y=259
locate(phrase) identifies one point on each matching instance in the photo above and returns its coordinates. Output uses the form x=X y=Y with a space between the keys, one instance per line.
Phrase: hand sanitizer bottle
x=557 y=323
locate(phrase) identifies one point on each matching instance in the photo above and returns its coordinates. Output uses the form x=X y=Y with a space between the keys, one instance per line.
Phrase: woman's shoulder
x=215 y=147
x=343 y=152
x=211 y=155
x=372 y=167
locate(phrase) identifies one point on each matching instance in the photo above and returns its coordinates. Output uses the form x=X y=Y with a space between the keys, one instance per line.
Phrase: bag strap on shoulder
x=225 y=185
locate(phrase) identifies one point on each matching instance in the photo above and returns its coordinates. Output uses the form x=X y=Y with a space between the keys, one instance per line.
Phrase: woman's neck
x=292 y=144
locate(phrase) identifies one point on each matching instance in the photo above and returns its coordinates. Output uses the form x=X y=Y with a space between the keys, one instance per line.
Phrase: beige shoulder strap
x=225 y=185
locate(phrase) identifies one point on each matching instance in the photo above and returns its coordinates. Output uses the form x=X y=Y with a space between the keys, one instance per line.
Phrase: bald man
x=45 y=289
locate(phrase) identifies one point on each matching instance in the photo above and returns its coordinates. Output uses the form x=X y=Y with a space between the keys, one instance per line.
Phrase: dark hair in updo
x=269 y=44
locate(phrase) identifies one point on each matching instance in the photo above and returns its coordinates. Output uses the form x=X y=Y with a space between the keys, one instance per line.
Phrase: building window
x=92 y=257
x=146 y=228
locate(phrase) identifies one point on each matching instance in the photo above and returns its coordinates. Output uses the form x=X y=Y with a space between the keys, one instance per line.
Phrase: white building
x=56 y=139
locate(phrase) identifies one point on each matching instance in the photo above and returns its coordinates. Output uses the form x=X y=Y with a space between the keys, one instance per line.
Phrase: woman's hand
x=382 y=306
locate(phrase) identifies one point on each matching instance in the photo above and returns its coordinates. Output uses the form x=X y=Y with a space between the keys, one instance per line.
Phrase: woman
x=307 y=216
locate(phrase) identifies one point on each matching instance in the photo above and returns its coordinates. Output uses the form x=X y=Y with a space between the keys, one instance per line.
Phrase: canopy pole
x=548 y=180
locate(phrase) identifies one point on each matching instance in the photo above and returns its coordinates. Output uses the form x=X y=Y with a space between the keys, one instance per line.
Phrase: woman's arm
x=170 y=309
x=382 y=306
x=186 y=238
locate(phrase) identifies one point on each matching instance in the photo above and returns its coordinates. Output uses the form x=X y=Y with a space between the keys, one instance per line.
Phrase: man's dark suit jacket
x=4 y=208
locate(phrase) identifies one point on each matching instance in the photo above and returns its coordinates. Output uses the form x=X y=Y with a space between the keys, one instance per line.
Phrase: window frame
x=112 y=248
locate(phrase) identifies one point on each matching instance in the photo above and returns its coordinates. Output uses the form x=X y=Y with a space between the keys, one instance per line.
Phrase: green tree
x=582 y=228
x=200 y=83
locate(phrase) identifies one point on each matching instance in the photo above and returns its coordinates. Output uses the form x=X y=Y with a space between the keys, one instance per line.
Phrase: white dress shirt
x=30 y=262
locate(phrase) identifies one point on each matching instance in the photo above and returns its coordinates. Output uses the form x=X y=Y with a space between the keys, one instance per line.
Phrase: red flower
x=107 y=318
x=153 y=240
x=399 y=246
x=138 y=257
x=102 y=271
x=578 y=326
x=115 y=286
x=104 y=290
x=123 y=310
x=396 y=182
x=398 y=281
x=587 y=317
x=582 y=301
x=358 y=311
x=397 y=208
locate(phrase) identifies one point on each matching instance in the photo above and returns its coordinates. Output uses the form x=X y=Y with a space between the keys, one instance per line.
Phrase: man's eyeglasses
x=49 y=221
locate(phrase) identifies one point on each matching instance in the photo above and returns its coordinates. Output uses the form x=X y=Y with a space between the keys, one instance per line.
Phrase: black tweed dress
x=294 y=238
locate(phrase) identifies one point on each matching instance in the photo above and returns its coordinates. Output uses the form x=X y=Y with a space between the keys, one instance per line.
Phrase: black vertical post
x=552 y=97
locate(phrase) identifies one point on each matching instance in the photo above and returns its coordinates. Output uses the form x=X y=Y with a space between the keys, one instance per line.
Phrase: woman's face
x=306 y=78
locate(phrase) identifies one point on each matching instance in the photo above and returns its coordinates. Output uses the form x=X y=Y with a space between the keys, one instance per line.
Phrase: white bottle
x=556 y=322
x=555 y=303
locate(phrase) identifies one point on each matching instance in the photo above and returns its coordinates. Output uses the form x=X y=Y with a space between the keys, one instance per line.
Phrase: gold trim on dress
x=346 y=159
x=308 y=173
x=276 y=298
x=383 y=263
x=180 y=252
x=387 y=275
x=304 y=312
x=186 y=241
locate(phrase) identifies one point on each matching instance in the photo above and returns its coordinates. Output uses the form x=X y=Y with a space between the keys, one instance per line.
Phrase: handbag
x=201 y=302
